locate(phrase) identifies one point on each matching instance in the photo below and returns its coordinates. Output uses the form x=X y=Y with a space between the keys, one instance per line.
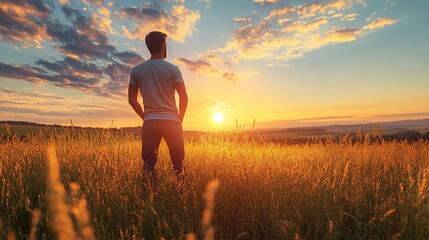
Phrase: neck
x=157 y=56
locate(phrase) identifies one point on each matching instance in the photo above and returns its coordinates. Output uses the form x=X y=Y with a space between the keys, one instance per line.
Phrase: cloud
x=130 y=58
x=346 y=18
x=119 y=78
x=304 y=27
x=39 y=105
x=325 y=118
x=342 y=35
x=350 y=17
x=104 y=20
x=178 y=23
x=22 y=22
x=31 y=94
x=27 y=73
x=281 y=11
x=198 y=66
x=249 y=41
x=265 y=1
x=379 y=23
x=283 y=21
x=72 y=67
x=73 y=74
x=236 y=77
x=111 y=81
x=97 y=2
x=314 y=8
x=81 y=40
x=242 y=20
x=212 y=56
x=207 y=69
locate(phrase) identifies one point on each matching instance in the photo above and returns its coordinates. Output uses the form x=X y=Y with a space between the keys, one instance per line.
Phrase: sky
x=278 y=63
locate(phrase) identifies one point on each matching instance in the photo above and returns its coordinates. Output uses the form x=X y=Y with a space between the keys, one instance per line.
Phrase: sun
x=218 y=117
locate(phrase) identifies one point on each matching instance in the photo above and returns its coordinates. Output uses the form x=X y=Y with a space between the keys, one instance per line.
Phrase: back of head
x=154 y=41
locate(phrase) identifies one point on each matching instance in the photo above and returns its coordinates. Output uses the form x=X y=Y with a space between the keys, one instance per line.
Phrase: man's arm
x=133 y=92
x=183 y=99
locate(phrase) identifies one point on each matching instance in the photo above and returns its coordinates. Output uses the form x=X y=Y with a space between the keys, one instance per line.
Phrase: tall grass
x=366 y=190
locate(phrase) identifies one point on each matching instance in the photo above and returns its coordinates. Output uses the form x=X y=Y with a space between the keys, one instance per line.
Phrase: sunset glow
x=218 y=117
x=285 y=63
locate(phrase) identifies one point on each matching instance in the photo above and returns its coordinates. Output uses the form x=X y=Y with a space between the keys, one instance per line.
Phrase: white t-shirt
x=156 y=79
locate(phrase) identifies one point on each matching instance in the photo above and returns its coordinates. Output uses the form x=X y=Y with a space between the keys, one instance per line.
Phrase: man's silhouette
x=158 y=80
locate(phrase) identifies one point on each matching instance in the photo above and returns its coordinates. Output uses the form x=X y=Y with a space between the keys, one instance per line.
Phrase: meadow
x=86 y=185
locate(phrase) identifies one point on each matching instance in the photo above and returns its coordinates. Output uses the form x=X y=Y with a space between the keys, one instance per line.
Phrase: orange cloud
x=306 y=27
x=342 y=35
x=64 y=2
x=23 y=23
x=282 y=11
x=265 y=1
x=242 y=20
x=379 y=23
x=310 y=10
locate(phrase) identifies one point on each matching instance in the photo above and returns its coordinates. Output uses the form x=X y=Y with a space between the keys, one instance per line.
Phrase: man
x=158 y=80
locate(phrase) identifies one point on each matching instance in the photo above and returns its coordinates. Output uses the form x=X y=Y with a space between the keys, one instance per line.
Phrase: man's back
x=156 y=79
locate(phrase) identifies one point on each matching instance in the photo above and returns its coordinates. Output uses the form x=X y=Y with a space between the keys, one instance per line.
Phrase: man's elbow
x=183 y=98
x=132 y=102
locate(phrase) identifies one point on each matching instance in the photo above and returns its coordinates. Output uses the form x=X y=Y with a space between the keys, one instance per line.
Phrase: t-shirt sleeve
x=178 y=76
x=132 y=79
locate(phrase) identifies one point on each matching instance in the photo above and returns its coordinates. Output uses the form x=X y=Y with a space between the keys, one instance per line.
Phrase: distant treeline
x=23 y=123
x=409 y=136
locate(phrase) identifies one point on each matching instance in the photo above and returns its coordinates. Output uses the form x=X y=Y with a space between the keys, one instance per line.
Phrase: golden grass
x=262 y=191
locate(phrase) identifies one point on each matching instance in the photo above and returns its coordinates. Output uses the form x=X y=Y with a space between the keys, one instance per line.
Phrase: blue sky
x=285 y=63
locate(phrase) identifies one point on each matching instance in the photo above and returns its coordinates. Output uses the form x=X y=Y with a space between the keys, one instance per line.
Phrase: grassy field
x=367 y=190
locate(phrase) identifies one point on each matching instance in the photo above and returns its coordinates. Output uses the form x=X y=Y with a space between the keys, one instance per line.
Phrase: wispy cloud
x=264 y=1
x=178 y=23
x=315 y=8
x=379 y=23
x=26 y=73
x=242 y=19
x=39 y=105
x=204 y=67
x=130 y=58
x=288 y=32
x=14 y=95
x=198 y=66
x=282 y=11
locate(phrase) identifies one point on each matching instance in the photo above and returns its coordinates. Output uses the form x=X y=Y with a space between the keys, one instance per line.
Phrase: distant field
x=19 y=129
x=365 y=190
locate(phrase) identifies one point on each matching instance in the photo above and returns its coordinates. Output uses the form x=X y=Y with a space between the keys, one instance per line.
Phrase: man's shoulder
x=135 y=68
x=160 y=63
x=170 y=64
x=142 y=64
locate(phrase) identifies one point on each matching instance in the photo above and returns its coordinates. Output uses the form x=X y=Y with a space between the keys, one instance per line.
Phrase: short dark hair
x=154 y=41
